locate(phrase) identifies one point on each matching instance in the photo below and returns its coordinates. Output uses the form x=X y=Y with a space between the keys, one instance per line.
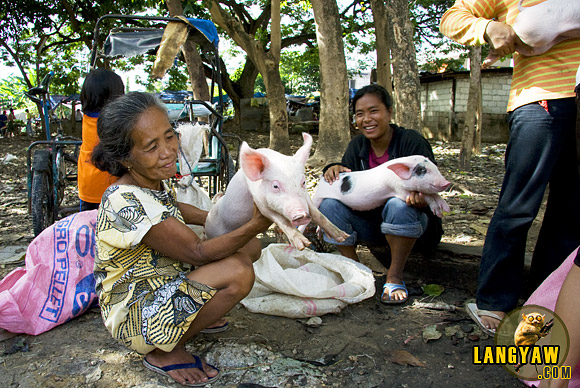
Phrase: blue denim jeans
x=541 y=150
x=370 y=227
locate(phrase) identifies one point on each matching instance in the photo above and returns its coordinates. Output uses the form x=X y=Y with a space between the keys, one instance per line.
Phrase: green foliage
x=300 y=71
x=260 y=86
x=178 y=78
x=12 y=91
x=50 y=34
x=426 y=16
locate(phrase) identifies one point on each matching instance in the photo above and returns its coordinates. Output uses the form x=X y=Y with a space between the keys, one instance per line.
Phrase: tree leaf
x=433 y=289
x=403 y=357
x=431 y=333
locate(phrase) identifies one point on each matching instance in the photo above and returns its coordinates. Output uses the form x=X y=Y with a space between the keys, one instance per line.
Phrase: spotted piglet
x=368 y=189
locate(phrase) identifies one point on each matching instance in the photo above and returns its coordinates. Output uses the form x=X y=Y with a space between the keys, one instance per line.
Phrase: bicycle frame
x=48 y=160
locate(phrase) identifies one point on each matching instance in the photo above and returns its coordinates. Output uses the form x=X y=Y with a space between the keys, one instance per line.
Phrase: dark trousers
x=577 y=91
x=541 y=150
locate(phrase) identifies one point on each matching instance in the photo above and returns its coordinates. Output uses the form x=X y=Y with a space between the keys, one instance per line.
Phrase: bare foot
x=179 y=355
x=219 y=323
x=490 y=322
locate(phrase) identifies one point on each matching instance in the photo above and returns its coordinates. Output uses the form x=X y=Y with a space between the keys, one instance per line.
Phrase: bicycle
x=50 y=168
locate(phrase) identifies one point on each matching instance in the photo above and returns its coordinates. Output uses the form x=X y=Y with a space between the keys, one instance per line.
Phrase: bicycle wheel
x=41 y=201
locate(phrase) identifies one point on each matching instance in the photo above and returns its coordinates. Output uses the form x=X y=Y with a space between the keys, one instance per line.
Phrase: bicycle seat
x=42 y=88
x=35 y=91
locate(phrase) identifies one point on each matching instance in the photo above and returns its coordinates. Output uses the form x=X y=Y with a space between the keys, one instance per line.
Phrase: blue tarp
x=207 y=28
x=351 y=93
x=181 y=95
x=57 y=100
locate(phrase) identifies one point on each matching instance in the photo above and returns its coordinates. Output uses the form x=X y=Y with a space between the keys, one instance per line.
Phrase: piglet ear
x=402 y=170
x=304 y=152
x=252 y=162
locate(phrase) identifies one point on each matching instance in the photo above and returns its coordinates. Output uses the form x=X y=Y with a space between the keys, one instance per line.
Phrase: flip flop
x=476 y=314
x=197 y=364
x=215 y=329
x=392 y=287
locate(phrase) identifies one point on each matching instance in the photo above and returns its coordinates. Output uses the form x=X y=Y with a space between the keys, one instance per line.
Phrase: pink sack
x=57 y=283
x=546 y=296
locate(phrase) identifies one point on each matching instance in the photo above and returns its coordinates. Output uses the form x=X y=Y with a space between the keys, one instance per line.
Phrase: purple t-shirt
x=375 y=161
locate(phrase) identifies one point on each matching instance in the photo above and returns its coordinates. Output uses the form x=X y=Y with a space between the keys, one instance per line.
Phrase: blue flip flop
x=197 y=365
x=215 y=329
x=392 y=287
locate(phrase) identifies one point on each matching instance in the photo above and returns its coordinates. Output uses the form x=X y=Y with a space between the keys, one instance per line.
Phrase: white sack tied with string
x=301 y=284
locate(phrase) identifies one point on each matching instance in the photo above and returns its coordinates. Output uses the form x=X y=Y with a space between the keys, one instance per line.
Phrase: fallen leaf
x=431 y=333
x=433 y=289
x=473 y=337
x=478 y=228
x=454 y=331
x=403 y=357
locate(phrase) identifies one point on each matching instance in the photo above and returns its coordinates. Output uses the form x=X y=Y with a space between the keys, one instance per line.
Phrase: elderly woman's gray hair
x=116 y=121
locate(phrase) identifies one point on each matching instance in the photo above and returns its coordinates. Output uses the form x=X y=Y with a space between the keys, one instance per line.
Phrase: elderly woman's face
x=154 y=153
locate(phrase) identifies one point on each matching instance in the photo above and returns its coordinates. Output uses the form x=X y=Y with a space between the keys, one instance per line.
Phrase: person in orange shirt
x=100 y=87
x=541 y=152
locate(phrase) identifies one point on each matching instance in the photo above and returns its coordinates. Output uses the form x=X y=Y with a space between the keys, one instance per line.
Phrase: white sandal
x=476 y=314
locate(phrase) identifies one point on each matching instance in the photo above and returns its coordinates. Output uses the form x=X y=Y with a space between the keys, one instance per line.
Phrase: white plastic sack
x=301 y=284
x=188 y=191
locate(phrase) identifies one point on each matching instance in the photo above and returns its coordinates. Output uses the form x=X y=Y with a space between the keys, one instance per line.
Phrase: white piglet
x=368 y=189
x=542 y=26
x=277 y=185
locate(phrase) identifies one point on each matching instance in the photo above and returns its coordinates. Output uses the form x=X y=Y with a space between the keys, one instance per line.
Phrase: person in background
x=11 y=125
x=541 y=151
x=3 y=122
x=100 y=86
x=149 y=298
x=78 y=115
x=399 y=224
x=29 y=117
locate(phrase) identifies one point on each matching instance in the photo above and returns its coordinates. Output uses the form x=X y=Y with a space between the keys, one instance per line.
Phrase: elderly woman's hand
x=260 y=222
x=332 y=174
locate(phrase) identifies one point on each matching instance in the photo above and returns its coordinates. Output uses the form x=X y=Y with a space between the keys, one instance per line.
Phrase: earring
x=129 y=168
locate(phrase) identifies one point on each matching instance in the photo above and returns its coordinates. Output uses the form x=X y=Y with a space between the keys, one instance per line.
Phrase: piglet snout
x=300 y=218
x=442 y=185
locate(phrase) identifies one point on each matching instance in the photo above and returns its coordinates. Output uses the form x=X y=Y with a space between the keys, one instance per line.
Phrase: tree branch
x=17 y=61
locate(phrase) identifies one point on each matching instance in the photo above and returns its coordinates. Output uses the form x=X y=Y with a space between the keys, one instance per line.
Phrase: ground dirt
x=365 y=345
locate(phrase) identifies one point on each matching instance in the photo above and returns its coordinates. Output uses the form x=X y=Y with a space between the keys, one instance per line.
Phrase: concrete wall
x=444 y=104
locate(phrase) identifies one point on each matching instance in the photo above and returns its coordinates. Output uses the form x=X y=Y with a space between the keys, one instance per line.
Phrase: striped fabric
x=542 y=77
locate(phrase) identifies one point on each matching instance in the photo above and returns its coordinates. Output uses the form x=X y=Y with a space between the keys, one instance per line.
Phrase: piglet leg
x=436 y=204
x=320 y=219
x=296 y=238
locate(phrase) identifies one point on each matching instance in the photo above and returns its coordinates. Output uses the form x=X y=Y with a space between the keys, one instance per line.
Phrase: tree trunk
x=407 y=87
x=473 y=103
x=479 y=112
x=267 y=64
x=279 y=139
x=333 y=133
x=383 y=47
x=192 y=59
